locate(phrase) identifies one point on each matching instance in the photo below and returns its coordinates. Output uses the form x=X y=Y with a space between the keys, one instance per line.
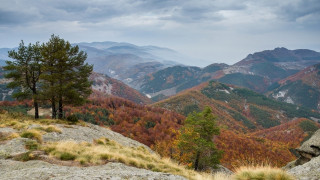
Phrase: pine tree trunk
x=196 y=163
x=60 y=114
x=36 y=108
x=35 y=102
x=53 y=106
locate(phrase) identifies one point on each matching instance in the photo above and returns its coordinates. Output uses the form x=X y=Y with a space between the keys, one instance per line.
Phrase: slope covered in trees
x=143 y=123
x=158 y=128
x=254 y=128
x=236 y=107
x=302 y=88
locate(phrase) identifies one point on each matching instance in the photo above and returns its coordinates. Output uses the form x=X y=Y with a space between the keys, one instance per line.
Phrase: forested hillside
x=302 y=88
x=259 y=72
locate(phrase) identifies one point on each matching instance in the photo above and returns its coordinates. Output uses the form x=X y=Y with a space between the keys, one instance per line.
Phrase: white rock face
x=105 y=88
x=280 y=94
x=289 y=100
x=224 y=90
x=166 y=92
x=238 y=69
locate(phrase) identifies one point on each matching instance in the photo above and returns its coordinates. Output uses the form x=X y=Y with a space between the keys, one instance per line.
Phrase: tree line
x=54 y=72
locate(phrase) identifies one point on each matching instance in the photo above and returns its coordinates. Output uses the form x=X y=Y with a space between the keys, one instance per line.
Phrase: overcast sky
x=210 y=30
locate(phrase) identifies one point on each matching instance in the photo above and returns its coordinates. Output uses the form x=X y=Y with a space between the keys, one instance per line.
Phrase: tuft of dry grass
x=32 y=134
x=8 y=136
x=52 y=128
x=261 y=172
x=104 y=150
x=49 y=129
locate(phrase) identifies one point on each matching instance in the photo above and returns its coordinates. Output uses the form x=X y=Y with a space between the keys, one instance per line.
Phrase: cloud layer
x=215 y=30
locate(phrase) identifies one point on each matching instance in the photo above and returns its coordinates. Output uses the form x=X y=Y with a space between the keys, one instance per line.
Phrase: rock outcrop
x=43 y=167
x=88 y=133
x=309 y=149
x=307 y=166
x=308 y=171
x=15 y=170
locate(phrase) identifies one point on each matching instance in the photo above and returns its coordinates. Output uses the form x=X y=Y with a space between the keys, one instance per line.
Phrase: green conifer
x=196 y=139
x=65 y=74
x=25 y=71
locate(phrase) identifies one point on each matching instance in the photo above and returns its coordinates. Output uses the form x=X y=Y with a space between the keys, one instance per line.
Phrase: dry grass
x=261 y=173
x=104 y=150
x=8 y=136
x=21 y=123
x=49 y=129
x=32 y=134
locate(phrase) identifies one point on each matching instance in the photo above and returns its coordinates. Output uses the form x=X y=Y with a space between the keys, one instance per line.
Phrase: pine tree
x=196 y=140
x=25 y=70
x=65 y=74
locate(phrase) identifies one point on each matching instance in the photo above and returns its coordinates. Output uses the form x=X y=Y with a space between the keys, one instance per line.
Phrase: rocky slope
x=14 y=170
x=42 y=166
x=302 y=88
x=307 y=165
x=105 y=86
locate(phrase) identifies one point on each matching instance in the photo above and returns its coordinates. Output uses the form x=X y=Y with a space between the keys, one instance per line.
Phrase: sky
x=210 y=31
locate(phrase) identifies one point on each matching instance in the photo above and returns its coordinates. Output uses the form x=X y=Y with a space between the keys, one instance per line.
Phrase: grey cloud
x=302 y=8
x=93 y=11
x=189 y=25
x=13 y=18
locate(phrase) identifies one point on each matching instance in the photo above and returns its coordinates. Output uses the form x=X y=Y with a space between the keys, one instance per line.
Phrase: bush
x=65 y=156
x=32 y=145
x=105 y=156
x=308 y=126
x=246 y=173
x=72 y=118
x=23 y=157
x=52 y=128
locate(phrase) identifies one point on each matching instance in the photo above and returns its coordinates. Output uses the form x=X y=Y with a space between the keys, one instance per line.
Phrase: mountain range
x=128 y=62
x=123 y=61
x=159 y=72
x=261 y=72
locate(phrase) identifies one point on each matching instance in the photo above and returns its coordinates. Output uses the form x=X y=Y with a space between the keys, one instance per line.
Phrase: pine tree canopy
x=196 y=139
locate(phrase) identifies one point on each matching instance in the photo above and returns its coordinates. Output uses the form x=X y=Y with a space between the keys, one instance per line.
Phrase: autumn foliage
x=146 y=124
x=159 y=128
